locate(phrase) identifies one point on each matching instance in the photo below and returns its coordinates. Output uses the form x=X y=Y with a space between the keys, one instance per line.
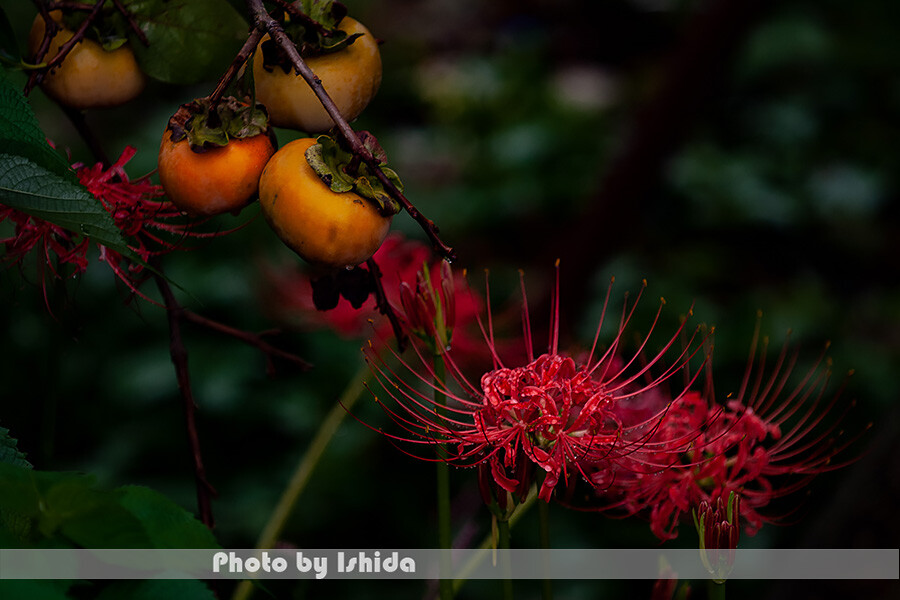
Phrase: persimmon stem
x=264 y=21
x=234 y=68
x=384 y=307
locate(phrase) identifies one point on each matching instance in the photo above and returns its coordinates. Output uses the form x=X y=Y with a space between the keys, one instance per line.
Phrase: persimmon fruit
x=327 y=229
x=351 y=76
x=89 y=76
x=217 y=180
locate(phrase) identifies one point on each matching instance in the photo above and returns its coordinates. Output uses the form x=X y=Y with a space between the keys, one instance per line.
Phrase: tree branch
x=252 y=339
x=36 y=76
x=205 y=490
x=384 y=307
x=265 y=22
x=235 y=66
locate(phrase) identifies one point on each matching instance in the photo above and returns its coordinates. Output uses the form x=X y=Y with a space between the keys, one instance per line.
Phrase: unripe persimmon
x=327 y=229
x=351 y=76
x=89 y=76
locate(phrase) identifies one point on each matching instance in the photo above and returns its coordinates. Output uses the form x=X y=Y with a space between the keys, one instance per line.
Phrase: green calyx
x=342 y=171
x=313 y=27
x=206 y=126
x=109 y=29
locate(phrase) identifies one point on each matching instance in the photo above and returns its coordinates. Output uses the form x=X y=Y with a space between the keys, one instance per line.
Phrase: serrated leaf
x=9 y=451
x=167 y=523
x=183 y=589
x=190 y=40
x=31 y=188
x=21 y=135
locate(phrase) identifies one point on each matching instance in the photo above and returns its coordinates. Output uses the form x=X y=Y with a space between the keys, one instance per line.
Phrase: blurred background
x=739 y=155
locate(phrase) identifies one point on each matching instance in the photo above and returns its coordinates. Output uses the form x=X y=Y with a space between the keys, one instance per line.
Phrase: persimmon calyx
x=206 y=126
x=313 y=28
x=342 y=171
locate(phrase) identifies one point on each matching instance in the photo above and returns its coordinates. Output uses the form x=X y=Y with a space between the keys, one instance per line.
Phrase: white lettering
x=318 y=564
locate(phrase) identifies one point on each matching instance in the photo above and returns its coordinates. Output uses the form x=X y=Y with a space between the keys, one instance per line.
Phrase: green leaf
x=37 y=180
x=41 y=193
x=65 y=509
x=183 y=589
x=190 y=40
x=33 y=589
x=168 y=524
x=21 y=135
x=342 y=173
x=9 y=452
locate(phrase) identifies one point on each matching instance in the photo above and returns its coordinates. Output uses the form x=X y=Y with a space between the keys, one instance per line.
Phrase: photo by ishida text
x=317 y=565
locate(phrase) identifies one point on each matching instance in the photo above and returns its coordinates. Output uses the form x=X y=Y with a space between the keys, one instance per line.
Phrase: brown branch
x=264 y=21
x=252 y=339
x=235 y=66
x=38 y=75
x=87 y=134
x=205 y=490
x=131 y=22
x=51 y=27
x=384 y=307
x=85 y=6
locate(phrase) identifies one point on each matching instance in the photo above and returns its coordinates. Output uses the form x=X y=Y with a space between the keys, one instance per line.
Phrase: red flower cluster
x=608 y=420
x=766 y=442
x=553 y=415
x=151 y=226
x=52 y=240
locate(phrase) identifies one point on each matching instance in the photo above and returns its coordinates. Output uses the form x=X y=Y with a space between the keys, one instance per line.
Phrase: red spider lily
x=766 y=442
x=152 y=227
x=552 y=413
x=53 y=240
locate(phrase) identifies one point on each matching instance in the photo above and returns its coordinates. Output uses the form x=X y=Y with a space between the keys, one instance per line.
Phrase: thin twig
x=205 y=490
x=132 y=23
x=37 y=75
x=235 y=66
x=252 y=339
x=264 y=21
x=85 y=6
x=51 y=27
x=384 y=307
x=80 y=123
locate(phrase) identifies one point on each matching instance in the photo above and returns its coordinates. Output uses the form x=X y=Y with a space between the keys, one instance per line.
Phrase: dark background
x=740 y=155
